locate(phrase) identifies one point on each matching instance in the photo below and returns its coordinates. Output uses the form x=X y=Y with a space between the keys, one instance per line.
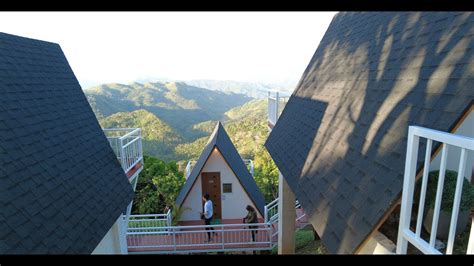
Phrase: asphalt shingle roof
x=61 y=186
x=222 y=142
x=341 y=140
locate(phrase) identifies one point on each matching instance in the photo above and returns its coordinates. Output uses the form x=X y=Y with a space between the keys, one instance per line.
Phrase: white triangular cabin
x=221 y=172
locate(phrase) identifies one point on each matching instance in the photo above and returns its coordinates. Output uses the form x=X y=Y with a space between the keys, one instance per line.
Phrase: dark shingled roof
x=341 y=139
x=61 y=186
x=222 y=142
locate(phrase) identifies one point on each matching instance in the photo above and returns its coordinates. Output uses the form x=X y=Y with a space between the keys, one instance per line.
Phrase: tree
x=158 y=186
x=266 y=174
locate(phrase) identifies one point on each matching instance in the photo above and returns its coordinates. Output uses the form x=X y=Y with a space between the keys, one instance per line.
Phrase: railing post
x=457 y=202
x=277 y=101
x=188 y=166
x=168 y=220
x=269 y=235
x=122 y=234
x=408 y=187
x=269 y=108
x=222 y=237
x=120 y=150
x=424 y=183
x=140 y=147
x=439 y=194
x=265 y=218
x=174 y=238
x=251 y=167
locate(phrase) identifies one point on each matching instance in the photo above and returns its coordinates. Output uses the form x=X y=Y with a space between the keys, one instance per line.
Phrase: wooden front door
x=211 y=183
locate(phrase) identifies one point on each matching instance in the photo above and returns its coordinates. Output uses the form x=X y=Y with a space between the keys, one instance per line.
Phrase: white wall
x=233 y=204
x=454 y=153
x=378 y=244
x=114 y=241
x=193 y=202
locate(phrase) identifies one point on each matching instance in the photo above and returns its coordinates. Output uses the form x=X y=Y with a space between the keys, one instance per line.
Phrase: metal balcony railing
x=127 y=146
x=249 y=164
x=405 y=234
x=149 y=222
x=189 y=168
x=276 y=103
x=193 y=239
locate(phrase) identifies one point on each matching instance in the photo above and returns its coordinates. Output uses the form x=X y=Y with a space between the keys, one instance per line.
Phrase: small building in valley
x=221 y=172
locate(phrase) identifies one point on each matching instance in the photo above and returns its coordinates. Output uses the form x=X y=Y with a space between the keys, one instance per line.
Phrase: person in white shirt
x=207 y=215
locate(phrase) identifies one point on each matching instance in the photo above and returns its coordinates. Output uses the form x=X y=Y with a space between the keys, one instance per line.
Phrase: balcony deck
x=190 y=237
x=183 y=245
x=136 y=168
x=127 y=146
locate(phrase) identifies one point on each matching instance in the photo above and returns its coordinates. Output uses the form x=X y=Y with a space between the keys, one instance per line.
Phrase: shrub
x=449 y=190
x=176 y=213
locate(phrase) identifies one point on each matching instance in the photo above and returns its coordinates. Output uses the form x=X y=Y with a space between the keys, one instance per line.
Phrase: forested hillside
x=179 y=105
x=176 y=121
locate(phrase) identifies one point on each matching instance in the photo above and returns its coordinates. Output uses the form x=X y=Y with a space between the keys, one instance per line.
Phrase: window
x=227 y=187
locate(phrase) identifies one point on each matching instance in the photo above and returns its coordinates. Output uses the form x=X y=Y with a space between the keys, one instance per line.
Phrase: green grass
x=305 y=243
x=303 y=238
x=149 y=223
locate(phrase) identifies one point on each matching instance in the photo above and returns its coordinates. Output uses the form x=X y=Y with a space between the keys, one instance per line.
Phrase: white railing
x=149 y=222
x=300 y=216
x=297 y=204
x=271 y=217
x=127 y=146
x=249 y=164
x=273 y=98
x=405 y=234
x=276 y=104
x=153 y=233
x=271 y=211
x=192 y=239
x=189 y=168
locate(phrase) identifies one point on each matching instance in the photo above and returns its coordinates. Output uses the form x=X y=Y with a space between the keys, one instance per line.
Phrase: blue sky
x=267 y=47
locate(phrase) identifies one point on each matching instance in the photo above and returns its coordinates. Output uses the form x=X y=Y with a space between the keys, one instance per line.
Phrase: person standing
x=207 y=215
x=251 y=218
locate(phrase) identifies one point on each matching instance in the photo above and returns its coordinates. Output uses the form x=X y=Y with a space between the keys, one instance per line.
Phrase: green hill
x=246 y=126
x=159 y=139
x=255 y=109
x=176 y=119
x=248 y=135
x=131 y=106
x=177 y=104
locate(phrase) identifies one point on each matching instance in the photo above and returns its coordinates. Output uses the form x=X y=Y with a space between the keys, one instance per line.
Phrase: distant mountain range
x=176 y=118
x=258 y=90
x=252 y=89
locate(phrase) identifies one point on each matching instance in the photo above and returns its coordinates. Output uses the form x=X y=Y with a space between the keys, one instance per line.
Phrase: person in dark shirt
x=251 y=218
